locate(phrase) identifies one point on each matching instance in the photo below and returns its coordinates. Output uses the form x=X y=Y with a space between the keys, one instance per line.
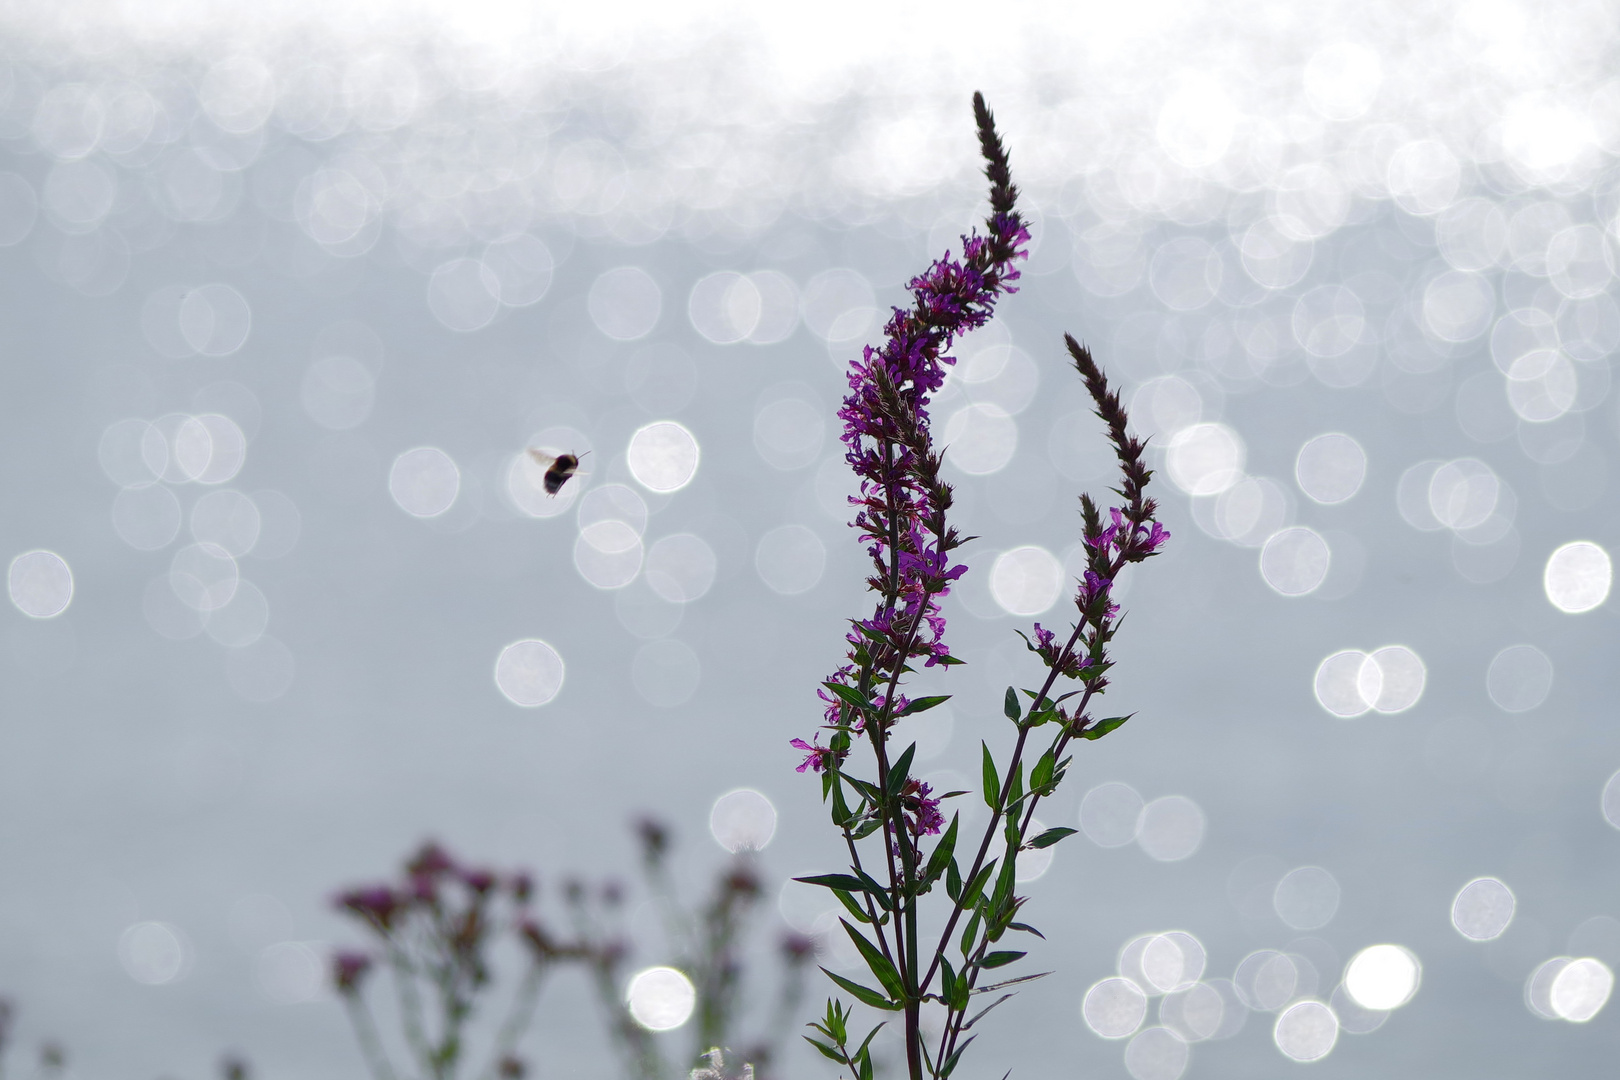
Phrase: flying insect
x=558 y=468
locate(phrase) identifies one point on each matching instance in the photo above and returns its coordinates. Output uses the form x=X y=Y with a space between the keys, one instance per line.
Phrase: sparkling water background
x=289 y=296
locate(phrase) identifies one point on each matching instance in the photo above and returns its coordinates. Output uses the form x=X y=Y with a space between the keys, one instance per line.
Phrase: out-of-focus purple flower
x=479 y=881
x=348 y=968
x=378 y=904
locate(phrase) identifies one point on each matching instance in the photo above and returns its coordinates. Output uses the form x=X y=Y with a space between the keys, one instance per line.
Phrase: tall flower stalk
x=894 y=831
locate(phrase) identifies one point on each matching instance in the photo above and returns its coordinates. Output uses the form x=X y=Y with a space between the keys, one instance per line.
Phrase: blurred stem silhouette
x=436 y=928
x=886 y=816
x=435 y=931
x=708 y=944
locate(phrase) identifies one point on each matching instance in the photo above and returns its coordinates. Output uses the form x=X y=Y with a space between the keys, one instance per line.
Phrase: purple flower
x=1092 y=587
x=900 y=511
x=348 y=968
x=922 y=811
x=377 y=904
x=815 y=757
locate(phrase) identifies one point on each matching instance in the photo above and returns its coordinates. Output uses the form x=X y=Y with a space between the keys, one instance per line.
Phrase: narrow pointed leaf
x=995 y=959
x=849 y=695
x=900 y=771
x=837 y=881
x=1052 y=836
x=950 y=1062
x=980 y=1014
x=880 y=965
x=1103 y=727
x=992 y=779
x=923 y=704
x=1010 y=705
x=941 y=857
x=865 y=995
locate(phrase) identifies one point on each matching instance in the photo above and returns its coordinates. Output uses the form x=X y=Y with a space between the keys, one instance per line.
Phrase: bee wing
x=542 y=459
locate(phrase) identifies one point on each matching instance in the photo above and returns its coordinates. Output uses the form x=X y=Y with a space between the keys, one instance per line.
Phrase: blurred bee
x=558 y=468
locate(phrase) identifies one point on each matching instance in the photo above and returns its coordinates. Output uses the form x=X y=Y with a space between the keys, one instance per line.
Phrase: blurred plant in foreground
x=902 y=518
x=708 y=944
x=437 y=929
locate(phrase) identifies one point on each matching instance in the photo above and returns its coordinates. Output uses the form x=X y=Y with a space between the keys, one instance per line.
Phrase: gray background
x=140 y=780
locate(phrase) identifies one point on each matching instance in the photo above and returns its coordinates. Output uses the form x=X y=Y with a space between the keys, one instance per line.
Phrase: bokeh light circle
x=1306 y=898
x=1306 y=1031
x=1382 y=977
x=1577 y=577
x=661 y=998
x=424 y=482
x=1483 y=909
x=1205 y=459
x=1026 y=580
x=663 y=456
x=980 y=439
x=1581 y=989
x=1170 y=828
x=680 y=568
x=1330 y=468
x=1114 y=1008
x=742 y=820
x=1157 y=1053
x=1519 y=678
x=40 y=584
x=790 y=559
x=153 y=953
x=1295 y=562
x=529 y=672
x=1111 y=814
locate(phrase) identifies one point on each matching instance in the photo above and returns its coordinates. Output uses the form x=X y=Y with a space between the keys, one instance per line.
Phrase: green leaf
x=866 y=1042
x=950 y=1062
x=849 y=695
x=948 y=660
x=941 y=856
x=947 y=981
x=1016 y=790
x=880 y=964
x=1051 y=836
x=837 y=881
x=878 y=891
x=900 y=771
x=1041 y=775
x=976 y=886
x=923 y=704
x=1001 y=959
x=842 y=816
x=992 y=779
x=1010 y=705
x=826 y=1051
x=1103 y=727
x=953 y=882
x=970 y=935
x=1026 y=928
x=851 y=906
x=863 y=994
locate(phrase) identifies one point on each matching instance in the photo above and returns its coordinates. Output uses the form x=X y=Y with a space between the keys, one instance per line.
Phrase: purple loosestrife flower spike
x=901 y=506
